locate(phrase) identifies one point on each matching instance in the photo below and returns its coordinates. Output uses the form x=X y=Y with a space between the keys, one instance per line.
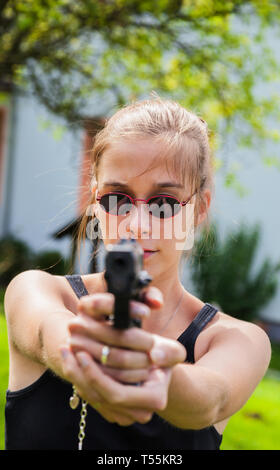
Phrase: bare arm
x=37 y=318
x=221 y=381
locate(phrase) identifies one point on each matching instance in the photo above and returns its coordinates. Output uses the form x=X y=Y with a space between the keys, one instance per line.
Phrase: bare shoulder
x=225 y=325
x=235 y=336
x=229 y=340
x=92 y=283
x=29 y=282
x=29 y=298
x=37 y=284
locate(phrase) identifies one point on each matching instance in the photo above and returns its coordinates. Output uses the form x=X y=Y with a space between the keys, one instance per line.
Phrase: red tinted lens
x=116 y=204
x=164 y=207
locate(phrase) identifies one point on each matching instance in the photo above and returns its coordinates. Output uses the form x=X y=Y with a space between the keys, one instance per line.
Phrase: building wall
x=5 y=126
x=41 y=196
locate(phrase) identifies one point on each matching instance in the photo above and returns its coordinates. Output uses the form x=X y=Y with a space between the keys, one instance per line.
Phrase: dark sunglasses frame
x=132 y=200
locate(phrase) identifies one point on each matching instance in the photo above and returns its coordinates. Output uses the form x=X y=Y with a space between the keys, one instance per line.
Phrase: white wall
x=43 y=191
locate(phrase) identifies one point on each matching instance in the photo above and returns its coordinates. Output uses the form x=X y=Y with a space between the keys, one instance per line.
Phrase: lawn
x=255 y=427
x=4 y=368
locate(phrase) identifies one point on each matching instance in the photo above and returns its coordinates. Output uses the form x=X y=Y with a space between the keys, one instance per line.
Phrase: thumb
x=152 y=296
x=167 y=352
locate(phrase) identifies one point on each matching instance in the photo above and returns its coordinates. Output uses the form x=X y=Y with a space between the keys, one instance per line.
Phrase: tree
x=210 y=55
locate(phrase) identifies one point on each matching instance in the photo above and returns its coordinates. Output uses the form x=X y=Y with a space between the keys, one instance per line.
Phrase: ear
x=204 y=205
x=93 y=206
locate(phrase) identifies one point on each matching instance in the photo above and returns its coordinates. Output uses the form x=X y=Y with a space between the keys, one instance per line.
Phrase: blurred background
x=66 y=66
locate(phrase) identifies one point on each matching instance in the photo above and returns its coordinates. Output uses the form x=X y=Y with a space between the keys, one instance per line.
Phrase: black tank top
x=39 y=417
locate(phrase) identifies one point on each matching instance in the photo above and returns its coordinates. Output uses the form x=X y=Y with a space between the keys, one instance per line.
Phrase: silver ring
x=104 y=354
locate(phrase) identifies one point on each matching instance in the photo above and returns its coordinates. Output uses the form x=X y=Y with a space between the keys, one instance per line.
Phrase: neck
x=171 y=288
x=173 y=297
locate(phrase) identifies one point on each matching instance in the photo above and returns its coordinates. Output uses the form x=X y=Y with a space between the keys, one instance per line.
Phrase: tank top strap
x=77 y=285
x=189 y=336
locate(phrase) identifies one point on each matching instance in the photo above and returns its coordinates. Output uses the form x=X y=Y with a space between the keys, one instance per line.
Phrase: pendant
x=74 y=402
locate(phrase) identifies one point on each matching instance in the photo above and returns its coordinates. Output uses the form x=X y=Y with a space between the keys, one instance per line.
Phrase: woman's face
x=123 y=168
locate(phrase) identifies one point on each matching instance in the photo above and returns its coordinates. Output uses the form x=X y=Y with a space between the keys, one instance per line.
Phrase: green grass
x=4 y=370
x=255 y=427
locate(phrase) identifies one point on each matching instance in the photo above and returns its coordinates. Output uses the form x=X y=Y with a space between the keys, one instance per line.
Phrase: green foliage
x=50 y=261
x=16 y=256
x=208 y=55
x=224 y=272
x=275 y=357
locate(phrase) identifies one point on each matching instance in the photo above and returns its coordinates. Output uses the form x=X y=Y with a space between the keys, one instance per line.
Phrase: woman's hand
x=132 y=351
x=116 y=402
x=134 y=355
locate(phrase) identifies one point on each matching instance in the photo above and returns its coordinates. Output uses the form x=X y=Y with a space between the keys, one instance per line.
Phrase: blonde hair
x=186 y=146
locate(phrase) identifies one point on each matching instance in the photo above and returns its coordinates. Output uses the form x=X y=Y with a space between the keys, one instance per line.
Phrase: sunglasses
x=161 y=206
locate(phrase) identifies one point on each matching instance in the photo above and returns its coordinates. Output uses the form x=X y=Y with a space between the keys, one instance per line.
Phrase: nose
x=139 y=221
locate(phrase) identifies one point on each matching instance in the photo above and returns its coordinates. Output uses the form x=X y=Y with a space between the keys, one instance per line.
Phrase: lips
x=148 y=253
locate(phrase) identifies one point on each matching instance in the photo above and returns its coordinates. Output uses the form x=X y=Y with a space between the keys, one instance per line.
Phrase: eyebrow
x=164 y=184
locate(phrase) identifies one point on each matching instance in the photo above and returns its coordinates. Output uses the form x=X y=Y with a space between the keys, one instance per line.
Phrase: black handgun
x=125 y=279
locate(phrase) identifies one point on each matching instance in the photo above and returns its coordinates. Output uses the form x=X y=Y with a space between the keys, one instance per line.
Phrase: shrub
x=50 y=261
x=223 y=273
x=16 y=256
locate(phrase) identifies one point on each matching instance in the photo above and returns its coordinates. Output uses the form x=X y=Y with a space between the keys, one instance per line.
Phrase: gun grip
x=121 y=313
x=122 y=319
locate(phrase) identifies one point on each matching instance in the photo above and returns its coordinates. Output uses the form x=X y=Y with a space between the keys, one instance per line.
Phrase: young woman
x=194 y=366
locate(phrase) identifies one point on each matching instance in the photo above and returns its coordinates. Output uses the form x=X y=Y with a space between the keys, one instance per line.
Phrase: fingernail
x=82 y=360
x=157 y=356
x=155 y=295
x=64 y=353
x=141 y=310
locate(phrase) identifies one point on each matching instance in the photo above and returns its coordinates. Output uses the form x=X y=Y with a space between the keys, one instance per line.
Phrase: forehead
x=134 y=160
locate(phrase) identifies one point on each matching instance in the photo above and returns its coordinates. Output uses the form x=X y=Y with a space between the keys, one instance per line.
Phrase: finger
x=99 y=305
x=131 y=415
x=130 y=376
x=131 y=338
x=151 y=396
x=117 y=358
x=152 y=296
x=69 y=365
x=125 y=416
x=139 y=310
x=73 y=373
x=167 y=352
